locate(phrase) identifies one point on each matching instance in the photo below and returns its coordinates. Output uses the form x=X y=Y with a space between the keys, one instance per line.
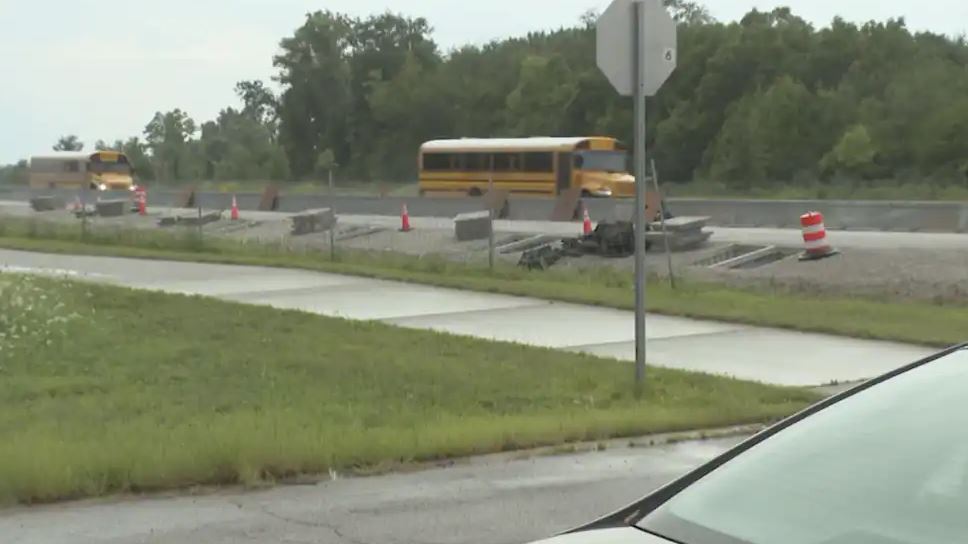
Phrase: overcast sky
x=101 y=70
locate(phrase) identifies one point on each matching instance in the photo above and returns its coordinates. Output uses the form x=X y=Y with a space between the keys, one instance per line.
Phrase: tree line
x=769 y=99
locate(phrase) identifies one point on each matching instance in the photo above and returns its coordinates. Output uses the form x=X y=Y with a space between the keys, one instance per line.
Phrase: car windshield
x=886 y=466
x=606 y=161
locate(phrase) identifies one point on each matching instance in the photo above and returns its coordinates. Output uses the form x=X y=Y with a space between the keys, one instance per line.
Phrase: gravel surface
x=897 y=273
x=926 y=275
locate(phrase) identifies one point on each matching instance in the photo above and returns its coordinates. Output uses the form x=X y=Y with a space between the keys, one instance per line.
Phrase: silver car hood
x=624 y=535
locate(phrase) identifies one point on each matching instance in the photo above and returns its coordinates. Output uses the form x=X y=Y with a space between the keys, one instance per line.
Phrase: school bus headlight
x=103 y=187
x=602 y=192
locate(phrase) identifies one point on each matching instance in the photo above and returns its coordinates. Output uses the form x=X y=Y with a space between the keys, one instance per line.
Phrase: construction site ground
x=934 y=272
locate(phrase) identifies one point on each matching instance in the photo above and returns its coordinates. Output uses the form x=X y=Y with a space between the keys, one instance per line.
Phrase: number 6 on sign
x=618 y=46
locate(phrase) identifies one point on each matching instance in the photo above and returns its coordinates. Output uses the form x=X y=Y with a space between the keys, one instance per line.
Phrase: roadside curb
x=568 y=448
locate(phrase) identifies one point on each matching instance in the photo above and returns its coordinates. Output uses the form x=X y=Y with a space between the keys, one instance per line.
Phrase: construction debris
x=617 y=239
x=608 y=239
x=542 y=258
x=190 y=220
x=684 y=232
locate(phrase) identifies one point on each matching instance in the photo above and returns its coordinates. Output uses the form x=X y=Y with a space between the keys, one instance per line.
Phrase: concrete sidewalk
x=754 y=353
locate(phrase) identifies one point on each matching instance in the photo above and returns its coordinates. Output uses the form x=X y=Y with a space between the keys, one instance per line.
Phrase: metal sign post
x=636 y=50
x=639 y=68
x=332 y=209
x=490 y=217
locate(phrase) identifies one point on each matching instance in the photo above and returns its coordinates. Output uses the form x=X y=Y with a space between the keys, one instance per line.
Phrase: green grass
x=917 y=323
x=105 y=390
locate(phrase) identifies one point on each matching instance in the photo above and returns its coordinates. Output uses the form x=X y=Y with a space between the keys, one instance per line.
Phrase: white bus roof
x=65 y=155
x=465 y=144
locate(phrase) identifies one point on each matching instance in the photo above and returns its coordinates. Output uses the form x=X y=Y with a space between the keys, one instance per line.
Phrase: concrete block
x=46 y=203
x=679 y=224
x=112 y=208
x=678 y=241
x=313 y=221
x=472 y=226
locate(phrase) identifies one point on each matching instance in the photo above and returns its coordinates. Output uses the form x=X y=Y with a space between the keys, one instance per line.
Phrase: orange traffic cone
x=405 y=219
x=235 y=209
x=586 y=223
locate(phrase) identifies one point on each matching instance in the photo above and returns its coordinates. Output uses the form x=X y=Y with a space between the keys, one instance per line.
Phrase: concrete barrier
x=46 y=203
x=112 y=208
x=313 y=221
x=472 y=226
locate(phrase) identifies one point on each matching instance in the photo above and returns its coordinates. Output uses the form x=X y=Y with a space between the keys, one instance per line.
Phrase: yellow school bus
x=100 y=171
x=597 y=166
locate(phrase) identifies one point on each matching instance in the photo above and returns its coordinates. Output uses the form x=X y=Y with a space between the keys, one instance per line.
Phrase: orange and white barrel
x=815 y=237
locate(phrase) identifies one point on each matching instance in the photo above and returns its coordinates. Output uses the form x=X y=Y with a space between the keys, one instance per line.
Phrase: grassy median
x=910 y=322
x=106 y=389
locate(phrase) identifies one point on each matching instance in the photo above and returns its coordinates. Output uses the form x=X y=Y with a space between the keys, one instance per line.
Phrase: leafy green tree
x=259 y=102
x=546 y=87
x=14 y=174
x=325 y=163
x=409 y=109
x=138 y=158
x=769 y=99
x=238 y=146
x=167 y=136
x=316 y=102
x=69 y=143
x=854 y=155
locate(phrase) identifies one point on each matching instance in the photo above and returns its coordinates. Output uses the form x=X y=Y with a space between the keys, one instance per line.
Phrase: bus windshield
x=121 y=167
x=602 y=161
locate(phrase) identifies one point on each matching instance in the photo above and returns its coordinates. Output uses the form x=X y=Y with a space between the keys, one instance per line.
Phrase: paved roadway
x=493 y=500
x=755 y=353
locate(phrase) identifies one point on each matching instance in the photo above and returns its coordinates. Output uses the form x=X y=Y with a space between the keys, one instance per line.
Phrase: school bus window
x=437 y=161
x=538 y=162
x=72 y=166
x=474 y=162
x=506 y=162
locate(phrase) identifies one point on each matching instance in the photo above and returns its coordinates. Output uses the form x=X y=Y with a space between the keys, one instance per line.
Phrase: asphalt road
x=492 y=500
x=754 y=353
